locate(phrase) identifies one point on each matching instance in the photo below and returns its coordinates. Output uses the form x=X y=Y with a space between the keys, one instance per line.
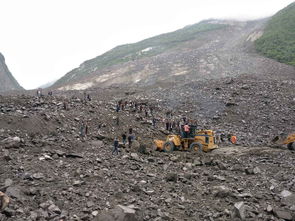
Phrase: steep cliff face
x=7 y=81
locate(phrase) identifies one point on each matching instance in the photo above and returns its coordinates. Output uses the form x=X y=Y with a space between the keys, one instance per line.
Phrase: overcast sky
x=42 y=40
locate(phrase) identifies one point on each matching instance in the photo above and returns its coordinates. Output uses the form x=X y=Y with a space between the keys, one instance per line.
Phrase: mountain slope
x=146 y=48
x=278 y=40
x=7 y=81
x=208 y=50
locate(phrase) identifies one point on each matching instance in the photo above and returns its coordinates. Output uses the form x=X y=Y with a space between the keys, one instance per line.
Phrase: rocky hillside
x=7 y=81
x=278 y=40
x=208 y=50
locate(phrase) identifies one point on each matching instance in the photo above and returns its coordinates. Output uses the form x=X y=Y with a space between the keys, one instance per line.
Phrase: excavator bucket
x=159 y=144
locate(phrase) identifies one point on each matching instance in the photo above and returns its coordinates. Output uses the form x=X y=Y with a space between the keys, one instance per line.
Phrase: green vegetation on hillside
x=278 y=40
x=146 y=48
x=156 y=44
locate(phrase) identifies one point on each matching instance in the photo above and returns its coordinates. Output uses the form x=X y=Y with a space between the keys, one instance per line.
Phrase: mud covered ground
x=51 y=173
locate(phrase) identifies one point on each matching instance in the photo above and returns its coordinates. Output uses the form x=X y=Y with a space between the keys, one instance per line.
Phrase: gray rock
x=283 y=214
x=11 y=142
x=239 y=210
x=252 y=171
x=221 y=191
x=33 y=215
x=269 y=208
x=289 y=200
x=256 y=170
x=135 y=145
x=8 y=182
x=97 y=143
x=119 y=213
x=171 y=177
x=53 y=208
x=6 y=155
x=38 y=176
x=74 y=155
x=221 y=165
x=197 y=162
x=285 y=193
x=14 y=192
x=134 y=156
x=4 y=201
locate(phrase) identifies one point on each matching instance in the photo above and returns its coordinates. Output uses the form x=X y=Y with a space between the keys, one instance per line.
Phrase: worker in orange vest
x=186 y=128
x=233 y=139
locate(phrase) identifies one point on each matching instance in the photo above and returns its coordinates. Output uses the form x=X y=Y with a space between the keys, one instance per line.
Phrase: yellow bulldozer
x=196 y=140
x=288 y=140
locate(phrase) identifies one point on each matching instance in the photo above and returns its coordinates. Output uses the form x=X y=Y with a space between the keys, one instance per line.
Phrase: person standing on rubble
x=85 y=97
x=129 y=140
x=117 y=108
x=88 y=97
x=116 y=146
x=154 y=122
x=82 y=130
x=38 y=93
x=124 y=138
x=151 y=110
x=117 y=120
x=167 y=123
x=86 y=129
x=65 y=105
x=233 y=139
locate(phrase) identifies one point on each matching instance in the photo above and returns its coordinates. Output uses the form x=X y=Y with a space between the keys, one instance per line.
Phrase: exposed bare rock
x=7 y=81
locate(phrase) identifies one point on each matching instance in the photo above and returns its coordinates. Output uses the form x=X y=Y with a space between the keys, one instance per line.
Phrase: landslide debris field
x=50 y=173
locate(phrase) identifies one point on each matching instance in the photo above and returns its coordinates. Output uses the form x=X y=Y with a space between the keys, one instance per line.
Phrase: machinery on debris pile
x=283 y=139
x=197 y=140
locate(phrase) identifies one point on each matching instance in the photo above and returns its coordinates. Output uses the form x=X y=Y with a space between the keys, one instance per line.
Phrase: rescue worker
x=82 y=130
x=233 y=139
x=130 y=137
x=124 y=138
x=85 y=97
x=117 y=108
x=186 y=129
x=65 y=105
x=88 y=97
x=151 y=110
x=154 y=122
x=167 y=124
x=117 y=120
x=116 y=146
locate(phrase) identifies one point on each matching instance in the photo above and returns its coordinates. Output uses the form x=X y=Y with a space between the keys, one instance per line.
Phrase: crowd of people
x=168 y=121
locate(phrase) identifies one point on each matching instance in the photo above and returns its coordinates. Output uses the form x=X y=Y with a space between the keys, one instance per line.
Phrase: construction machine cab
x=192 y=131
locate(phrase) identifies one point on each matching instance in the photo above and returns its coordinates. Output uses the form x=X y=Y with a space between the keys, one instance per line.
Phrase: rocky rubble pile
x=254 y=110
x=51 y=173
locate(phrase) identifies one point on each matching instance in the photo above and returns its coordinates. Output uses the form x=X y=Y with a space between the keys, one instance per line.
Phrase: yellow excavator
x=289 y=140
x=196 y=140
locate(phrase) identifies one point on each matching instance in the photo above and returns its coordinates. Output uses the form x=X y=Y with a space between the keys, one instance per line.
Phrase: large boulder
x=119 y=213
x=4 y=201
x=11 y=142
